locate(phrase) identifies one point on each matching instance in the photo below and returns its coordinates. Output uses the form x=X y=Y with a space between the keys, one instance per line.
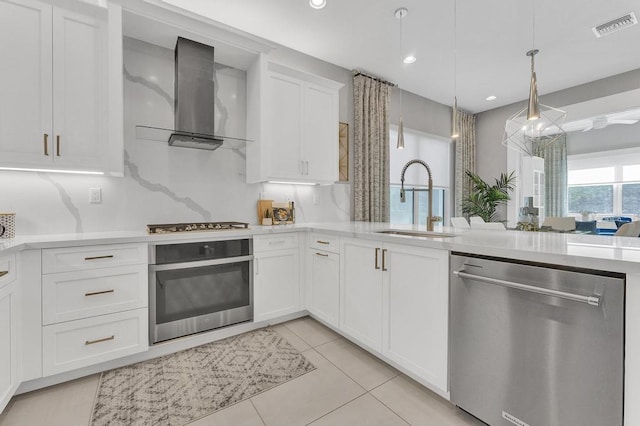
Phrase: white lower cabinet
x=415 y=311
x=276 y=276
x=324 y=285
x=394 y=300
x=361 y=292
x=81 y=294
x=75 y=344
x=8 y=345
x=94 y=305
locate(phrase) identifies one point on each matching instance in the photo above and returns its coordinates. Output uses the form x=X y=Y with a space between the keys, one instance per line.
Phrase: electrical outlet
x=95 y=195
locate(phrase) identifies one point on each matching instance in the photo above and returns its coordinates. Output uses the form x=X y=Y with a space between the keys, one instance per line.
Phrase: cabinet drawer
x=274 y=242
x=81 y=343
x=82 y=294
x=7 y=269
x=324 y=242
x=91 y=257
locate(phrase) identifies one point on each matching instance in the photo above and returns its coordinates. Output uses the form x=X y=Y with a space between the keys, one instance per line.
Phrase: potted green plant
x=484 y=198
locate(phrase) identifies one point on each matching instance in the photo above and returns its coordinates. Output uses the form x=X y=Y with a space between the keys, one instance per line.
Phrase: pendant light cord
x=533 y=24
x=454 y=113
x=401 y=62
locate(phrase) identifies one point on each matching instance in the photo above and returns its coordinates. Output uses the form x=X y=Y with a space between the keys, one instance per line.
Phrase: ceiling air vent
x=617 y=24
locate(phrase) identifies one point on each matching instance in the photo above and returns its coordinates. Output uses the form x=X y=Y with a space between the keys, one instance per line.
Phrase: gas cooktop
x=199 y=226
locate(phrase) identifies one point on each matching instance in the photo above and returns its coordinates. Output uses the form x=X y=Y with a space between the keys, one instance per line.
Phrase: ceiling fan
x=601 y=121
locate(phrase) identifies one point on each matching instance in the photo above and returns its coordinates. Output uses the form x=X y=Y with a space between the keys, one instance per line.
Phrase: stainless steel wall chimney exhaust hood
x=194 y=103
x=194 y=96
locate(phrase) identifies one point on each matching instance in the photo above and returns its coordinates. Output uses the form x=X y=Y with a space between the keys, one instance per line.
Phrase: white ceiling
x=493 y=36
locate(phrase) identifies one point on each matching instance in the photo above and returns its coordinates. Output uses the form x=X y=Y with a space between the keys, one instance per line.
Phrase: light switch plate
x=95 y=195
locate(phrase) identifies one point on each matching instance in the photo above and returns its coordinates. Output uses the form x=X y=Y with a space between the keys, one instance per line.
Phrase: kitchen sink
x=422 y=234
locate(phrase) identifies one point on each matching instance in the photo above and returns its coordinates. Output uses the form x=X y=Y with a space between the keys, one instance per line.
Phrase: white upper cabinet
x=79 y=89
x=321 y=124
x=25 y=82
x=59 y=92
x=285 y=126
x=294 y=126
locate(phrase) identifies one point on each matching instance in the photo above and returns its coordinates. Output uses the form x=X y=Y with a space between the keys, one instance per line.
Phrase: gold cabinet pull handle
x=322 y=242
x=3 y=273
x=104 y=339
x=384 y=259
x=323 y=255
x=58 y=145
x=95 y=293
x=46 y=144
x=377 y=253
x=109 y=256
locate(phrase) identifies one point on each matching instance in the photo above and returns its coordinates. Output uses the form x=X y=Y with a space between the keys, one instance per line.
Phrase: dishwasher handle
x=590 y=300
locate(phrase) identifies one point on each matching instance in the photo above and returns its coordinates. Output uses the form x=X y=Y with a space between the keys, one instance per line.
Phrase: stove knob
x=218 y=226
x=187 y=228
x=210 y=226
x=203 y=226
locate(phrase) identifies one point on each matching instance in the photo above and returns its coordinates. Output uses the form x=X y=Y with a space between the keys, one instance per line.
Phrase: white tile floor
x=348 y=387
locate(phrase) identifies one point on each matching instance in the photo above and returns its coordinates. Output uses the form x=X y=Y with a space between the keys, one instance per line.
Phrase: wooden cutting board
x=263 y=206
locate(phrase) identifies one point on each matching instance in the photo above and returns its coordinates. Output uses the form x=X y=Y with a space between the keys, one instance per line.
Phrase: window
x=605 y=183
x=591 y=198
x=436 y=153
x=414 y=209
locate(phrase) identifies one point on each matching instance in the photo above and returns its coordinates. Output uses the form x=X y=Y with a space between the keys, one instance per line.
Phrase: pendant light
x=537 y=125
x=455 y=133
x=400 y=14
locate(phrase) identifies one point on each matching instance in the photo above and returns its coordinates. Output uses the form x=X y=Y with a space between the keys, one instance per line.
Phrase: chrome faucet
x=430 y=219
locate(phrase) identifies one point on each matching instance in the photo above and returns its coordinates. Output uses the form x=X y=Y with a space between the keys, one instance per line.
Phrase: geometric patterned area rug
x=177 y=389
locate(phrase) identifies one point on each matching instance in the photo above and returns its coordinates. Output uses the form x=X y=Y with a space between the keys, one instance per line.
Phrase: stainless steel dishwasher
x=536 y=345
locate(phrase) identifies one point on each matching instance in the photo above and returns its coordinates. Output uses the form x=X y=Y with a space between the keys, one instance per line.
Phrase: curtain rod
x=357 y=72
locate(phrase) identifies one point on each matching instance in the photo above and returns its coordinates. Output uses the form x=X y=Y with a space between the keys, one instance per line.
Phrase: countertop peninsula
x=608 y=253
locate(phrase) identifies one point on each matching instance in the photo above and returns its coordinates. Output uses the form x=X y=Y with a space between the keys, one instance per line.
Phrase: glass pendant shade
x=400 y=144
x=400 y=14
x=524 y=135
x=533 y=108
x=455 y=133
x=535 y=126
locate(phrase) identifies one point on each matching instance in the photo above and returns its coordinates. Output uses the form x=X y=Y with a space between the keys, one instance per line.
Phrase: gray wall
x=618 y=136
x=492 y=155
x=421 y=114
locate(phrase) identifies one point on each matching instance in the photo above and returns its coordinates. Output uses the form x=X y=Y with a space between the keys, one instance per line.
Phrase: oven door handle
x=199 y=263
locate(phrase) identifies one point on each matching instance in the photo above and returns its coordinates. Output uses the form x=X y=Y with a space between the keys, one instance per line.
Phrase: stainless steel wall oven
x=200 y=286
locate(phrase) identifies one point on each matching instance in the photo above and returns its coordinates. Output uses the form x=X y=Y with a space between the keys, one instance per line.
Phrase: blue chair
x=616 y=219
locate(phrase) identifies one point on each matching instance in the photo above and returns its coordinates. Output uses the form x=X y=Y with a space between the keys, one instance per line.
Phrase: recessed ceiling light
x=317 y=4
x=491 y=98
x=409 y=59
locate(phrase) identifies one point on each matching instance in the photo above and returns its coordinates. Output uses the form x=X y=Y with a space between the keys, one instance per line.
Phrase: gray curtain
x=555 y=174
x=465 y=158
x=371 y=149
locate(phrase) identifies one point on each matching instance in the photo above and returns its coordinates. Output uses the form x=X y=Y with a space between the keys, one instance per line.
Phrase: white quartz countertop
x=608 y=253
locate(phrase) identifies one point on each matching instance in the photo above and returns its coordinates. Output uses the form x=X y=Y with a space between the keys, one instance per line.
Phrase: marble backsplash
x=162 y=184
